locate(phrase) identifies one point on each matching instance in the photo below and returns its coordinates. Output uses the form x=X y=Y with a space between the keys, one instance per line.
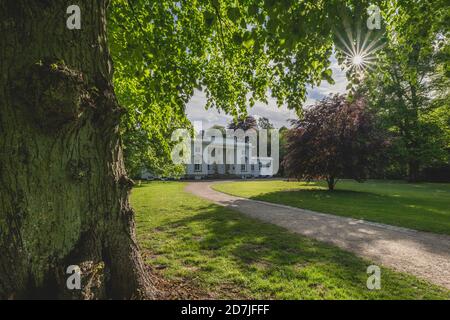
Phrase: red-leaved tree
x=336 y=138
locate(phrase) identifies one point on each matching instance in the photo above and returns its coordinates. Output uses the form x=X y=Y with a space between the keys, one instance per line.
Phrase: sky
x=278 y=116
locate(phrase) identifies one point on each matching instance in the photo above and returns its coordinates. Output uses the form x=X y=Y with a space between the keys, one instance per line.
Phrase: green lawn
x=417 y=206
x=222 y=252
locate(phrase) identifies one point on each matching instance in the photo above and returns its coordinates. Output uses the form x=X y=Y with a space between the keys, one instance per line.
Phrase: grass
x=423 y=207
x=224 y=253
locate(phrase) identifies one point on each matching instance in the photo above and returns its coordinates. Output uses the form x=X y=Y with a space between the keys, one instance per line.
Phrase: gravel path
x=425 y=255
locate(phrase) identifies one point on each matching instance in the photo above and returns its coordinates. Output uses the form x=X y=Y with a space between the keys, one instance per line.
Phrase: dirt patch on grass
x=169 y=289
x=187 y=289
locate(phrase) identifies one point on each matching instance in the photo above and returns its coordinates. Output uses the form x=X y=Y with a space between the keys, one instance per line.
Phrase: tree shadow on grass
x=431 y=215
x=283 y=264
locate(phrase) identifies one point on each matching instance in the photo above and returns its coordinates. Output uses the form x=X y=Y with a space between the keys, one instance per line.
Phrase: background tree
x=141 y=153
x=336 y=138
x=264 y=123
x=245 y=124
x=404 y=86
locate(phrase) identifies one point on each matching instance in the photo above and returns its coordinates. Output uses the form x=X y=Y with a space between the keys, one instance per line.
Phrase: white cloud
x=278 y=116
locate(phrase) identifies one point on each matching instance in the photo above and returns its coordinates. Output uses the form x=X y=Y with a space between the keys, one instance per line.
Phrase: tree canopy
x=238 y=52
x=264 y=123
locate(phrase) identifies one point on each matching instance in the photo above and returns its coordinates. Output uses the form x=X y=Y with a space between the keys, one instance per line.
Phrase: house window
x=253 y=167
x=213 y=153
x=243 y=167
x=197 y=167
x=209 y=167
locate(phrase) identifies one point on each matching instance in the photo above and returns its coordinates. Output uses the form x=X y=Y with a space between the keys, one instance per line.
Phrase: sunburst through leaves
x=359 y=49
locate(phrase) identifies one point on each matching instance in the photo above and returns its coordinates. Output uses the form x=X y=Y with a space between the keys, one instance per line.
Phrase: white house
x=226 y=157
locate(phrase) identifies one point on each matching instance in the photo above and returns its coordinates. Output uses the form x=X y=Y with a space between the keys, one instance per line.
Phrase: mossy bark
x=64 y=190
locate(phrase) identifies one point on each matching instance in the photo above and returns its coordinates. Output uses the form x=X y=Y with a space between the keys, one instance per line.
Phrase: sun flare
x=357 y=60
x=359 y=50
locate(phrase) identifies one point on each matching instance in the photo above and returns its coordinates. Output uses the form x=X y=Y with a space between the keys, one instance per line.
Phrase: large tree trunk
x=64 y=191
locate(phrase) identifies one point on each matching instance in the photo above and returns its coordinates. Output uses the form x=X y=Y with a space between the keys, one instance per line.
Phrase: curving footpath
x=423 y=254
